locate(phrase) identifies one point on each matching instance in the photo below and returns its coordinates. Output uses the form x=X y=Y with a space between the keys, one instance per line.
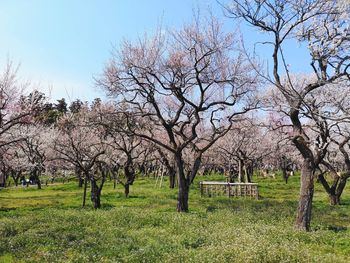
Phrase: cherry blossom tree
x=15 y=108
x=330 y=109
x=191 y=85
x=126 y=147
x=242 y=149
x=324 y=27
x=35 y=142
x=79 y=142
x=168 y=161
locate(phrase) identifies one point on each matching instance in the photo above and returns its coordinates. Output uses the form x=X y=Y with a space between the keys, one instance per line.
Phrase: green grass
x=49 y=225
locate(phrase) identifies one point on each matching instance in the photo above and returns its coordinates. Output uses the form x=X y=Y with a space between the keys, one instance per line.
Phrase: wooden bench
x=229 y=189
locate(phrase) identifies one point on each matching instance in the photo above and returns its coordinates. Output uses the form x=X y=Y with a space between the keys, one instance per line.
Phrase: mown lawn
x=49 y=225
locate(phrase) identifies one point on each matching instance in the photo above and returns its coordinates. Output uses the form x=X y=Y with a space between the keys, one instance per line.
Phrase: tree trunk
x=170 y=166
x=240 y=171
x=81 y=182
x=335 y=191
x=182 y=198
x=172 y=178
x=285 y=175
x=85 y=187
x=306 y=194
x=334 y=199
x=130 y=177
x=15 y=177
x=97 y=200
x=283 y=166
x=2 y=179
x=340 y=188
x=126 y=189
x=95 y=194
x=182 y=201
x=38 y=183
x=16 y=181
x=249 y=172
x=36 y=178
x=115 y=177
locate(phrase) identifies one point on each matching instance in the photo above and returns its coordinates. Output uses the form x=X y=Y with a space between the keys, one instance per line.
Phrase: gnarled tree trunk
x=306 y=195
x=126 y=189
x=184 y=187
x=130 y=178
x=182 y=201
x=86 y=178
x=172 y=178
x=15 y=176
x=95 y=194
x=81 y=182
x=35 y=176
x=336 y=191
x=38 y=182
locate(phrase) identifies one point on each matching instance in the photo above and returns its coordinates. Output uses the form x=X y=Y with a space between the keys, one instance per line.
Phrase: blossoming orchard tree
x=339 y=180
x=12 y=164
x=168 y=162
x=78 y=141
x=323 y=27
x=190 y=85
x=15 y=110
x=242 y=149
x=9 y=95
x=329 y=108
x=35 y=143
x=125 y=148
x=12 y=111
x=282 y=153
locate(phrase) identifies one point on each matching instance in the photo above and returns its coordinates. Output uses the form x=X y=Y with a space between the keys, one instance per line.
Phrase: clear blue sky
x=62 y=44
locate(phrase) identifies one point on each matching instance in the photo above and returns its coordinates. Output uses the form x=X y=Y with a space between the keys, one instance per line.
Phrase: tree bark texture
x=306 y=195
x=184 y=186
x=95 y=194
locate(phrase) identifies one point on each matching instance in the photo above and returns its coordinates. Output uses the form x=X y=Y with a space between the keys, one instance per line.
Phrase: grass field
x=49 y=225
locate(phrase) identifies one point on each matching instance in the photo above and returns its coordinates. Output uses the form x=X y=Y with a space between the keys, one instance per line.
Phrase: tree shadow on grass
x=345 y=202
x=333 y=228
x=211 y=208
x=8 y=209
x=136 y=197
x=337 y=229
x=107 y=206
x=118 y=195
